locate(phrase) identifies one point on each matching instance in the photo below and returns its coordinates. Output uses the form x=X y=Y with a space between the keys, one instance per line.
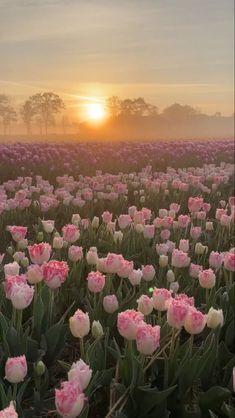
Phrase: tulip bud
x=40 y=236
x=117 y=236
x=97 y=329
x=175 y=225
x=39 y=368
x=25 y=262
x=58 y=242
x=110 y=303
x=209 y=226
x=163 y=260
x=10 y=250
x=95 y=222
x=215 y=318
x=170 y=276
x=174 y=286
x=23 y=244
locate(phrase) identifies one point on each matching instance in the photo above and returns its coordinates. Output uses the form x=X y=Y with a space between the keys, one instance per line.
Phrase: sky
x=166 y=51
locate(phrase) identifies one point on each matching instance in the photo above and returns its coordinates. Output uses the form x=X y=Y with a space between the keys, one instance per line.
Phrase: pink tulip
x=18 y=232
x=69 y=400
x=161 y=299
x=147 y=338
x=39 y=253
x=71 y=233
x=96 y=281
x=34 y=274
x=128 y=322
x=80 y=374
x=110 y=303
x=16 y=369
x=75 y=253
x=9 y=412
x=207 y=278
x=229 y=261
x=55 y=273
x=176 y=313
x=195 y=321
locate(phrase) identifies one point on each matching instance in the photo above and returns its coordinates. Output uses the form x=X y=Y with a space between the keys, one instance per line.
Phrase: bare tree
x=46 y=106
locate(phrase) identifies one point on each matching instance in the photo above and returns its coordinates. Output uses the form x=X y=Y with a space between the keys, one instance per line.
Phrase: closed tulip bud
x=170 y=276
x=117 y=236
x=58 y=242
x=97 y=329
x=24 y=262
x=209 y=226
x=175 y=225
x=95 y=222
x=23 y=244
x=65 y=244
x=10 y=250
x=215 y=318
x=199 y=248
x=163 y=260
x=39 y=368
x=48 y=226
x=110 y=303
x=40 y=236
x=79 y=324
x=145 y=305
x=16 y=369
x=76 y=218
x=91 y=256
x=174 y=287
x=142 y=199
x=139 y=228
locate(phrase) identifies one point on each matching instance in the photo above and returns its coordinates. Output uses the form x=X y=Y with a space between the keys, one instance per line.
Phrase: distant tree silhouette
x=179 y=112
x=130 y=107
x=7 y=113
x=27 y=113
x=46 y=105
x=113 y=105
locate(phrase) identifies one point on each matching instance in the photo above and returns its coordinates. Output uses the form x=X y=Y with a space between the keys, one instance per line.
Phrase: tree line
x=41 y=109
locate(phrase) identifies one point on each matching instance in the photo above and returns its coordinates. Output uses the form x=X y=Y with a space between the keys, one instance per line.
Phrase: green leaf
x=150 y=397
x=215 y=396
x=55 y=340
x=228 y=410
x=21 y=390
x=38 y=314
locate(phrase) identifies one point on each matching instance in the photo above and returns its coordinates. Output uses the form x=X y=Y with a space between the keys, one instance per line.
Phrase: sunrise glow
x=96 y=112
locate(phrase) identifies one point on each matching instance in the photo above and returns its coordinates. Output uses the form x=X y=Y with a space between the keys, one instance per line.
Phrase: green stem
x=14 y=392
x=13 y=318
x=82 y=350
x=52 y=297
x=19 y=320
x=173 y=337
x=191 y=344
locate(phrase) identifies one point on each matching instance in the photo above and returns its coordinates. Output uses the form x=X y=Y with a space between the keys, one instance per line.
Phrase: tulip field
x=117 y=290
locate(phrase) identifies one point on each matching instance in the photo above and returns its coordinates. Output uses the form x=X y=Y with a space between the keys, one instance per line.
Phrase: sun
x=96 y=112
